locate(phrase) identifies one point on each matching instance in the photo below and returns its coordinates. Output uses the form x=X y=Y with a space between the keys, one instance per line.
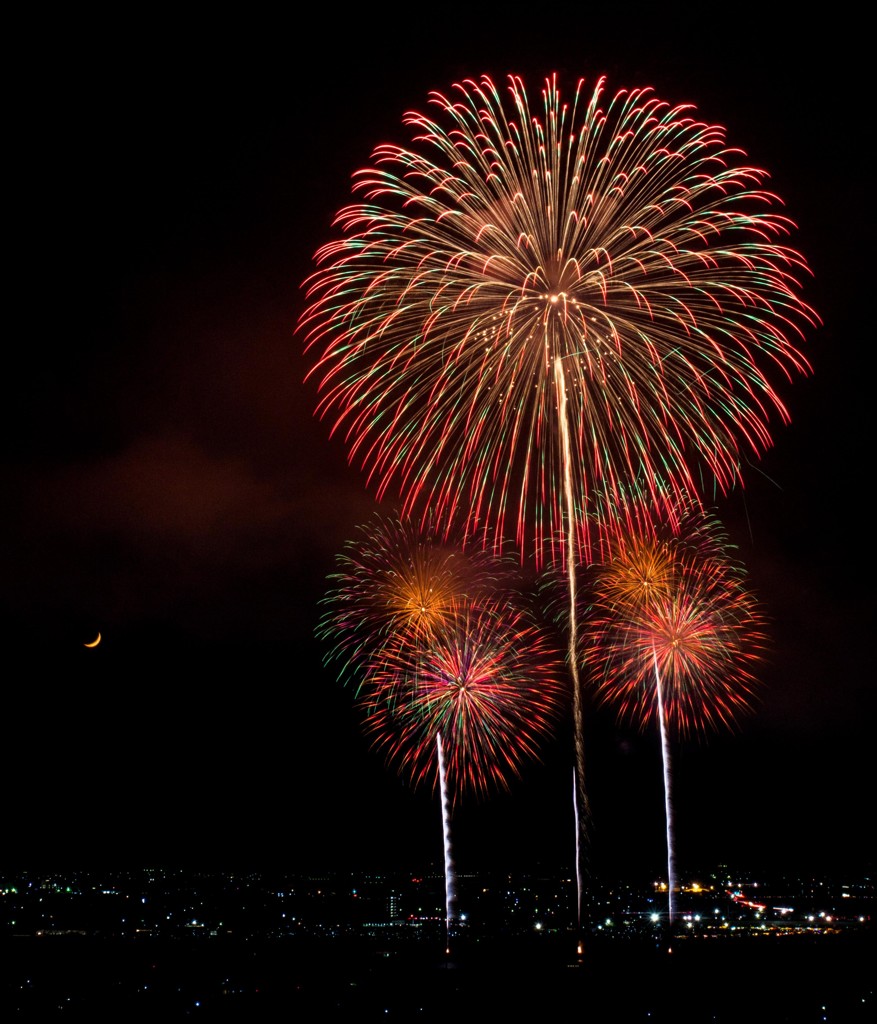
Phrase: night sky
x=168 y=485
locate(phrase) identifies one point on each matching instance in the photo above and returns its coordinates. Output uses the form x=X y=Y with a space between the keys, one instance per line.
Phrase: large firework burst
x=610 y=255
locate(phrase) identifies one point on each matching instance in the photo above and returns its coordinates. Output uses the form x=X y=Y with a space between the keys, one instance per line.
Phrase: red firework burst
x=483 y=678
x=699 y=628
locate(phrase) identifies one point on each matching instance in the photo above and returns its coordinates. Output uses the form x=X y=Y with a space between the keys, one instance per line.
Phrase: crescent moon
x=93 y=643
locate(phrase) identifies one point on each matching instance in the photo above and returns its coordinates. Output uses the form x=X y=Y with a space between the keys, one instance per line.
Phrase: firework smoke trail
x=450 y=887
x=580 y=802
x=668 y=803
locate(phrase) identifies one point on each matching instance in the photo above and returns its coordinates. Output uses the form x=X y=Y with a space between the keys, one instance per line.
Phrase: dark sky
x=167 y=484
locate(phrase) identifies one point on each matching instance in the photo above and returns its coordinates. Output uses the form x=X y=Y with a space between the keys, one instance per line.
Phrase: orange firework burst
x=639 y=573
x=398 y=580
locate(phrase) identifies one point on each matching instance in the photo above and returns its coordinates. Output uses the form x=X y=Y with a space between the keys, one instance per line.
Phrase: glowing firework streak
x=668 y=803
x=450 y=887
x=580 y=797
x=577 y=816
